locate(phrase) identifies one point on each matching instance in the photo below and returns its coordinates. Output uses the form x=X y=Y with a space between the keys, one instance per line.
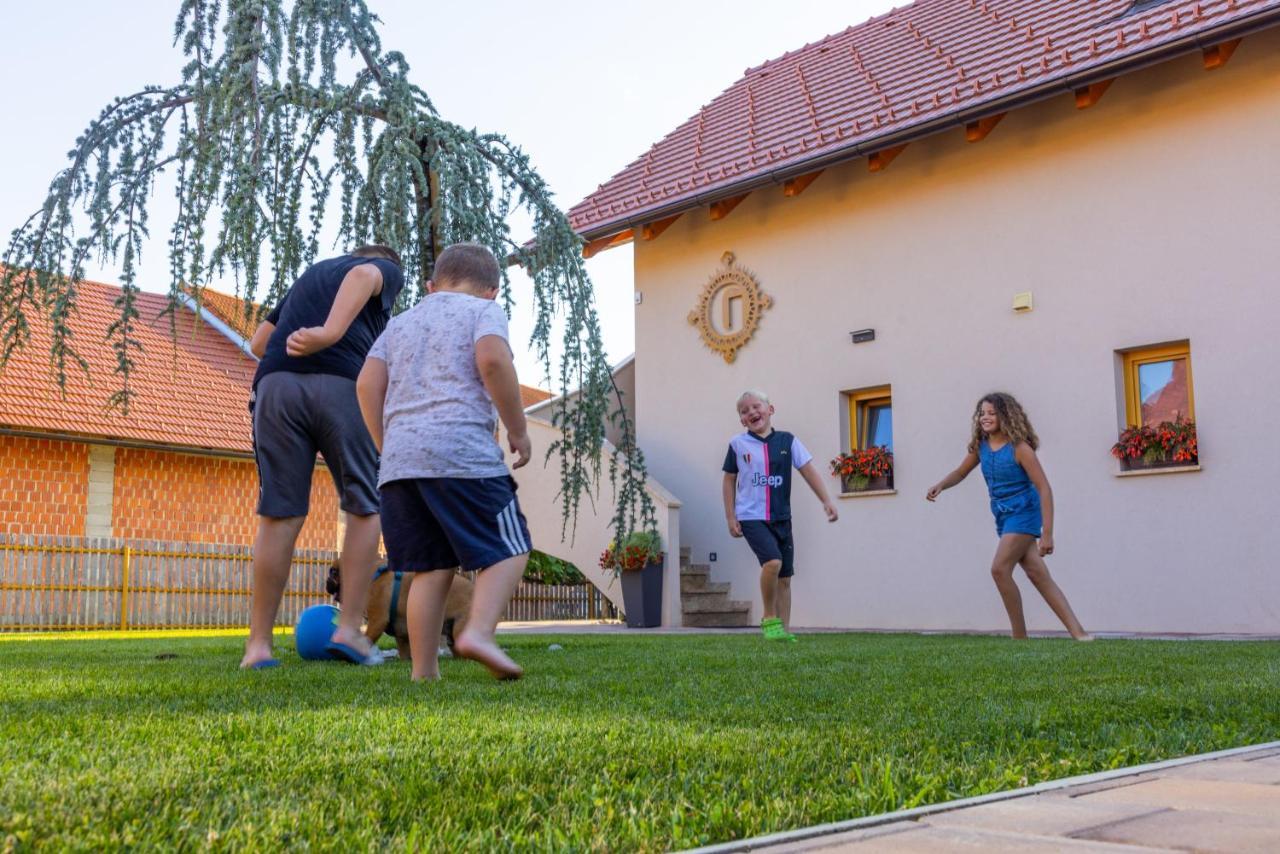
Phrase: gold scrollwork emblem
x=729 y=284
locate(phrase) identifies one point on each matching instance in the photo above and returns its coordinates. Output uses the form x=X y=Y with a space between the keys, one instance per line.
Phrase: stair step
x=696 y=567
x=699 y=583
x=686 y=553
x=718 y=619
x=694 y=603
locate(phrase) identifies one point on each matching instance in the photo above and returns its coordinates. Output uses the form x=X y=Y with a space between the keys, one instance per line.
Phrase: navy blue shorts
x=445 y=522
x=772 y=541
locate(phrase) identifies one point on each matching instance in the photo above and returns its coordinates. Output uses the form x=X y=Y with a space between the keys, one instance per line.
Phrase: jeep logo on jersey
x=766 y=479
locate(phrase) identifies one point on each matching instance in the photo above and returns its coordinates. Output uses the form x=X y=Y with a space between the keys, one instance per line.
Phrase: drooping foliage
x=291 y=120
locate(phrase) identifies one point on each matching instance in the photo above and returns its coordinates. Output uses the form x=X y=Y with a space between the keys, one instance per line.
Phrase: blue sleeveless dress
x=1014 y=500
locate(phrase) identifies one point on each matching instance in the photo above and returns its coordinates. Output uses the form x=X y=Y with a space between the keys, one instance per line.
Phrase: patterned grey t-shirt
x=438 y=420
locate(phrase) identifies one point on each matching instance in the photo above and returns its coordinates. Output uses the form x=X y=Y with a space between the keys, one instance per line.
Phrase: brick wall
x=43 y=486
x=188 y=498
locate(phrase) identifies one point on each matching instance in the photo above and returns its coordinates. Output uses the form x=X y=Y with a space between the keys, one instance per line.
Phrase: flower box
x=864 y=470
x=1170 y=444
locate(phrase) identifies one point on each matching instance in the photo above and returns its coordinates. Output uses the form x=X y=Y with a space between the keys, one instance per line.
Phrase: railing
x=87 y=583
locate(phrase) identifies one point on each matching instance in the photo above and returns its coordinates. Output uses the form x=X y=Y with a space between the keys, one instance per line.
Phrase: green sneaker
x=772 y=629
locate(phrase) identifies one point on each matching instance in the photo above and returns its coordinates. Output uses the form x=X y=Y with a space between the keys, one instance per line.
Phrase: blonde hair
x=1013 y=421
x=752 y=392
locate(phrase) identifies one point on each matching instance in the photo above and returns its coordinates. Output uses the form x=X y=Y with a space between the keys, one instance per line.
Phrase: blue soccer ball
x=315 y=627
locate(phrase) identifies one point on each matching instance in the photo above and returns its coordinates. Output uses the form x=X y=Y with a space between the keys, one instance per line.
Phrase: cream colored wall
x=1149 y=218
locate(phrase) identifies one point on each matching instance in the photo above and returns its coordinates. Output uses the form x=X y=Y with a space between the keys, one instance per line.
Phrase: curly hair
x=1013 y=421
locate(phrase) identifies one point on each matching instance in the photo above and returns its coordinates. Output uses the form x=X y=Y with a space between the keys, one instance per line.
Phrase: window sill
x=868 y=492
x=1170 y=470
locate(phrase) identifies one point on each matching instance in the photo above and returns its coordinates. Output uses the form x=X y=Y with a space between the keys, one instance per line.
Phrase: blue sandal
x=352 y=655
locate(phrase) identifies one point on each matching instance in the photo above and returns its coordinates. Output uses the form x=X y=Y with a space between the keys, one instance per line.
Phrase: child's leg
x=1038 y=572
x=769 y=587
x=1012 y=547
x=272 y=559
x=425 y=616
x=784 y=602
x=359 y=558
x=493 y=591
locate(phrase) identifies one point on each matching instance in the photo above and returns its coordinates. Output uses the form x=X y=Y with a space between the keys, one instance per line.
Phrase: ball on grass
x=315 y=627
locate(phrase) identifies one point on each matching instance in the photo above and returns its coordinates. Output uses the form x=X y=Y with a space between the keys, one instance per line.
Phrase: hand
x=304 y=342
x=521 y=447
x=832 y=515
x=934 y=492
x=1046 y=544
x=735 y=528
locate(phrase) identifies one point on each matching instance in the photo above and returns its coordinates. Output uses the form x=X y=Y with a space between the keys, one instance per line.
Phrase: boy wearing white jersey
x=757 y=503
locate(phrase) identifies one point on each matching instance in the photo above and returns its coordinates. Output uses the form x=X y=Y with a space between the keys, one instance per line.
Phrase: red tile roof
x=231 y=310
x=903 y=75
x=191 y=392
x=530 y=395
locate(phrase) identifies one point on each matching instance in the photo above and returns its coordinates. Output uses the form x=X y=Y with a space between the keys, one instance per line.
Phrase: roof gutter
x=218 y=324
x=958 y=118
x=126 y=443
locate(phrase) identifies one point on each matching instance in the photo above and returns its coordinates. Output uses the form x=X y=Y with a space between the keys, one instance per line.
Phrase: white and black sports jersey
x=763 y=467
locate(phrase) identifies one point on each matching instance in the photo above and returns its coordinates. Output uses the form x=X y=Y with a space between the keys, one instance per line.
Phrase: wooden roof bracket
x=1087 y=96
x=798 y=184
x=878 y=161
x=1216 y=55
x=976 y=131
x=600 y=244
x=722 y=208
x=651 y=230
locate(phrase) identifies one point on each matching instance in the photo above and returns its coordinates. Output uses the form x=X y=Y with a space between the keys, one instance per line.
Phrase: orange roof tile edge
x=913 y=72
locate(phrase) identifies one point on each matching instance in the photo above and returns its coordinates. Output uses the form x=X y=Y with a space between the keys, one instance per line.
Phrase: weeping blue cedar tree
x=267 y=144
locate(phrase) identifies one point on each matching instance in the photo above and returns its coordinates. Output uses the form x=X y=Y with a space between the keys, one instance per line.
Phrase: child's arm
x=359 y=286
x=498 y=372
x=730 y=513
x=810 y=474
x=261 y=335
x=1030 y=463
x=967 y=465
x=371 y=391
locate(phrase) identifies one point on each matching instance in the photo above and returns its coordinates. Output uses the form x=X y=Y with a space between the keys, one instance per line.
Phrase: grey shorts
x=294 y=417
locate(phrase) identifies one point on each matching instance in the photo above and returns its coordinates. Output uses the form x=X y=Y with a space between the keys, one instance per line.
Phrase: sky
x=583 y=87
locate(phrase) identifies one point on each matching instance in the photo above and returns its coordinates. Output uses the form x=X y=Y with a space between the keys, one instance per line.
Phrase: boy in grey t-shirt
x=428 y=391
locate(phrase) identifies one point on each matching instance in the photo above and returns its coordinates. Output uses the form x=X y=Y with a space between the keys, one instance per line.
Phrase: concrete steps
x=705 y=603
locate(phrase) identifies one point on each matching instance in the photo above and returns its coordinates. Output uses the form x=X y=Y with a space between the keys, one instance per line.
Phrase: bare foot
x=488 y=653
x=1085 y=638
x=355 y=640
x=255 y=655
x=425 y=677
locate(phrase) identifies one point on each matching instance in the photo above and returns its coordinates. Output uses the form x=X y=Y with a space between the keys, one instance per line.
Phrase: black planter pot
x=642 y=596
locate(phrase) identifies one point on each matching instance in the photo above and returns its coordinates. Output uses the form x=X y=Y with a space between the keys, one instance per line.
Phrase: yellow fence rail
x=89 y=583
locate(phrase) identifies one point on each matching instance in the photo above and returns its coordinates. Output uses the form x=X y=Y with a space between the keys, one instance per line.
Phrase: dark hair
x=468 y=262
x=377 y=250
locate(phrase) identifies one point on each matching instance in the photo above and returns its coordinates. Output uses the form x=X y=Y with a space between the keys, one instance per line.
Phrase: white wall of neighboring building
x=1151 y=217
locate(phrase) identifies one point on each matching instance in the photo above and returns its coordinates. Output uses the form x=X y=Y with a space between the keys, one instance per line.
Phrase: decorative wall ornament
x=731 y=282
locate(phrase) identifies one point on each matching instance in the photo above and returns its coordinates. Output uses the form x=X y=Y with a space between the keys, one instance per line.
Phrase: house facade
x=177 y=468
x=1072 y=202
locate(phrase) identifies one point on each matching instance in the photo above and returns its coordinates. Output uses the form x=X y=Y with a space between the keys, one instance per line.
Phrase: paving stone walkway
x=1228 y=802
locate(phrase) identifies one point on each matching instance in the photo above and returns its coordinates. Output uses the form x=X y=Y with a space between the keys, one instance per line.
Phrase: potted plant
x=865 y=469
x=1170 y=443
x=638 y=561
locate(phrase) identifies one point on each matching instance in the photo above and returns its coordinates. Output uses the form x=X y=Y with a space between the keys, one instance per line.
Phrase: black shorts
x=294 y=417
x=445 y=522
x=772 y=541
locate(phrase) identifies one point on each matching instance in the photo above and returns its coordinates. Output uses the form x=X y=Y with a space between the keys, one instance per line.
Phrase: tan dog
x=386 y=617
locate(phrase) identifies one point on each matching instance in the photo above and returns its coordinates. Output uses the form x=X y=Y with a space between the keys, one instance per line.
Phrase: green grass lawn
x=614 y=742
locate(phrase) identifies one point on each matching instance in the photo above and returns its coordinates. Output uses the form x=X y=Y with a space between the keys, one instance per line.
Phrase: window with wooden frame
x=1157 y=385
x=871 y=419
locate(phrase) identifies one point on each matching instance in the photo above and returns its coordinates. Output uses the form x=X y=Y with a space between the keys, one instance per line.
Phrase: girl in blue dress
x=1004 y=444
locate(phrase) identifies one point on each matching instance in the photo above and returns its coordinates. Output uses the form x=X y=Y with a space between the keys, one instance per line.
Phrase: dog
x=388 y=599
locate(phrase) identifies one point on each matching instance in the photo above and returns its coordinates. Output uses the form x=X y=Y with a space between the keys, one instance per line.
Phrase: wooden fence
x=86 y=583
